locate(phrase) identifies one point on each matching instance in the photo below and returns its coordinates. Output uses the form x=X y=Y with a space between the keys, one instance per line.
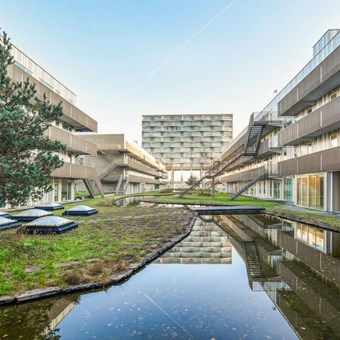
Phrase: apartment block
x=72 y=121
x=122 y=165
x=297 y=147
x=186 y=143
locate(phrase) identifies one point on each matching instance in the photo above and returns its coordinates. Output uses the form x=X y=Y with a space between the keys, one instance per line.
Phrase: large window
x=310 y=191
x=288 y=189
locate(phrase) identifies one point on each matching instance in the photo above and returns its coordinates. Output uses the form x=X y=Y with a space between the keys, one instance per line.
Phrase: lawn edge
x=116 y=279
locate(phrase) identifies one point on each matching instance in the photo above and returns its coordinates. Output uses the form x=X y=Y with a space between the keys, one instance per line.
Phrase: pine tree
x=191 y=180
x=27 y=156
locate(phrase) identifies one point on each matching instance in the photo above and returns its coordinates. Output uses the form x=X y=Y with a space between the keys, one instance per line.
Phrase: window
x=333 y=96
x=334 y=140
x=67 y=127
x=310 y=191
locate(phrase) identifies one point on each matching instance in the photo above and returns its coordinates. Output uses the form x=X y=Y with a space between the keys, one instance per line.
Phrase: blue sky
x=105 y=50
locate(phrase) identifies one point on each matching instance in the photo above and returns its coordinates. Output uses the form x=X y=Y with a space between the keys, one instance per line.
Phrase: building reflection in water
x=37 y=320
x=206 y=244
x=297 y=265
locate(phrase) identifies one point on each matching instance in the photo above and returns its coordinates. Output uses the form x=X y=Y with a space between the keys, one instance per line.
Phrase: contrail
x=167 y=314
x=190 y=40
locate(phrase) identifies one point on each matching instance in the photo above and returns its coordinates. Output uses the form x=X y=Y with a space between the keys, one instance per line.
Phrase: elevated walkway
x=231 y=210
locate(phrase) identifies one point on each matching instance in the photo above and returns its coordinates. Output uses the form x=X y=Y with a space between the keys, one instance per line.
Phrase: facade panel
x=300 y=158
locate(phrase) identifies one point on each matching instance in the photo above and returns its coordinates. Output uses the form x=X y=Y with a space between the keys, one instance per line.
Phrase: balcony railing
x=321 y=161
x=73 y=142
x=231 y=151
x=322 y=120
x=242 y=176
x=72 y=115
x=142 y=168
x=268 y=147
x=75 y=171
x=140 y=179
x=316 y=84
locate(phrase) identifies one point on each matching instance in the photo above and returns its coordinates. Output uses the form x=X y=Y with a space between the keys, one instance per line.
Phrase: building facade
x=72 y=121
x=186 y=143
x=298 y=153
x=123 y=166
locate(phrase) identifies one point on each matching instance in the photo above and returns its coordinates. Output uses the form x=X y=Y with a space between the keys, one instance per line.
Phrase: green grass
x=102 y=245
x=307 y=216
x=203 y=197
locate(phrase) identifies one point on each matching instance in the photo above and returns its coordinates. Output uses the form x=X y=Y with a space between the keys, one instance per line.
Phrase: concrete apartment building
x=291 y=150
x=123 y=166
x=186 y=143
x=73 y=120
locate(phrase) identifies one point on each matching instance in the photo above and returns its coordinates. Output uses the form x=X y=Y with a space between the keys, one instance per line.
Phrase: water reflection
x=207 y=244
x=35 y=320
x=299 y=270
x=256 y=277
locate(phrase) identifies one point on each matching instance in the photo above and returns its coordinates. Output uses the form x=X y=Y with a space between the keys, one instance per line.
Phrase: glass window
x=304 y=193
x=334 y=140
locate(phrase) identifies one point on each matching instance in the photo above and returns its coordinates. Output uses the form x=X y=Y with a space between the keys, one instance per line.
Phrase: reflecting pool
x=233 y=277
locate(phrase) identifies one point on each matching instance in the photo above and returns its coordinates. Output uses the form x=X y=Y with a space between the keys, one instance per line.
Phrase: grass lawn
x=102 y=245
x=199 y=197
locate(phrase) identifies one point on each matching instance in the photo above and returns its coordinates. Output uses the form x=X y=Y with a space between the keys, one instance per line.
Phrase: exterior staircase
x=114 y=166
x=212 y=174
x=247 y=186
x=253 y=137
x=253 y=262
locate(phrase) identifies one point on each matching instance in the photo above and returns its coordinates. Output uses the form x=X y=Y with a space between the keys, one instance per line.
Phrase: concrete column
x=213 y=188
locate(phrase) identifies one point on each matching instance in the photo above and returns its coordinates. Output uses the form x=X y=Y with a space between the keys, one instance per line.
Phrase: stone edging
x=114 y=279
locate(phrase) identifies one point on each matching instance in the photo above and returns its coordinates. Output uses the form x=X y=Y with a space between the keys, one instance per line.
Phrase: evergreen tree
x=191 y=180
x=27 y=156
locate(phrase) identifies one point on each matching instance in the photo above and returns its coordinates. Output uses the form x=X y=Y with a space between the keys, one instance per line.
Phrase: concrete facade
x=186 y=143
x=73 y=120
x=123 y=166
x=298 y=158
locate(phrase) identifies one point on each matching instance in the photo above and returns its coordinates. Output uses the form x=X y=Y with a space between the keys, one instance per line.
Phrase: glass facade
x=66 y=190
x=310 y=191
x=288 y=187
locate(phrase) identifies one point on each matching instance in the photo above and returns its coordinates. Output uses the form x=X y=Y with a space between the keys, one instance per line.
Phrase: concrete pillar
x=213 y=188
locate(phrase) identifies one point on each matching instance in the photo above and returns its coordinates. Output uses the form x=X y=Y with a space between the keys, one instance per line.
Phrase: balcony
x=233 y=150
x=140 y=154
x=243 y=176
x=318 y=122
x=324 y=78
x=72 y=115
x=268 y=147
x=321 y=161
x=75 y=171
x=141 y=168
x=140 y=179
x=73 y=143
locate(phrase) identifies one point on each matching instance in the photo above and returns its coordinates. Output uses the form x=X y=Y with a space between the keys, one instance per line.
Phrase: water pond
x=233 y=277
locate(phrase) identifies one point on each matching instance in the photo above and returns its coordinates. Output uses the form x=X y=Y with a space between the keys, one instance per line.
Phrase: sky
x=126 y=58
